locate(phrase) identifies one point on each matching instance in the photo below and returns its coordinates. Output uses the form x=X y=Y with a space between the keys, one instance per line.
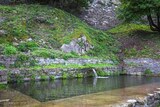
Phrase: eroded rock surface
x=101 y=14
x=79 y=46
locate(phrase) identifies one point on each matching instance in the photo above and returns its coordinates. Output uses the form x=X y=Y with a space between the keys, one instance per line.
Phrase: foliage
x=25 y=46
x=19 y=78
x=50 y=28
x=44 y=53
x=52 y=77
x=128 y=28
x=3 y=86
x=24 y=60
x=9 y=50
x=51 y=53
x=79 y=75
x=2 y=67
x=43 y=77
x=98 y=65
x=147 y=72
x=102 y=73
x=137 y=40
x=74 y=4
x=64 y=75
x=132 y=10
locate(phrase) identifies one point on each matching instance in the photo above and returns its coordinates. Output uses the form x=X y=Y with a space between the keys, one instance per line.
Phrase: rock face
x=80 y=46
x=101 y=14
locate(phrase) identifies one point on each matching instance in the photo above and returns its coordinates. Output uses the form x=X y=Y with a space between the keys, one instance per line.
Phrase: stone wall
x=131 y=67
x=139 y=66
x=7 y=61
x=3 y=76
x=79 y=61
x=41 y=73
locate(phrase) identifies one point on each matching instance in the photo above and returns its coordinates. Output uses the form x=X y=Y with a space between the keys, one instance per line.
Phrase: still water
x=59 y=89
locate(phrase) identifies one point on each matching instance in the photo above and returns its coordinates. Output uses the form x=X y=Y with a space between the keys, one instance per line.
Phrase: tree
x=133 y=10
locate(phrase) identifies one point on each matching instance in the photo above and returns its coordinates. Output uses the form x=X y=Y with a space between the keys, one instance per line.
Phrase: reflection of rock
x=79 y=46
x=101 y=14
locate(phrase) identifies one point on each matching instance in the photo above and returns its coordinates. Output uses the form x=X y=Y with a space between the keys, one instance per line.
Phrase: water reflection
x=52 y=90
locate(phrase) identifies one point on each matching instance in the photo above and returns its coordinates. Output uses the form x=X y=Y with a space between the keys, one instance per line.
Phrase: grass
x=99 y=65
x=127 y=28
x=3 y=86
x=2 y=67
x=34 y=27
x=137 y=40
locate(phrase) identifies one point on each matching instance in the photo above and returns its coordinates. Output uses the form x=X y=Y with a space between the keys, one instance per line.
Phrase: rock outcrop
x=101 y=14
x=79 y=46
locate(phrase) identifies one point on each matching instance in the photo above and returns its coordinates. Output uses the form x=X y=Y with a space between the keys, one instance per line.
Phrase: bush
x=44 y=53
x=64 y=75
x=24 y=61
x=21 y=60
x=44 y=77
x=52 y=77
x=79 y=75
x=9 y=50
x=25 y=46
x=69 y=55
x=147 y=72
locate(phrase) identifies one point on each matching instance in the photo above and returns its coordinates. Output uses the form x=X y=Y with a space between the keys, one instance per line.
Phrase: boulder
x=79 y=46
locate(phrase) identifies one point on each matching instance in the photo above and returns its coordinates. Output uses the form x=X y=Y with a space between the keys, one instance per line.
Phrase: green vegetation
x=137 y=40
x=26 y=46
x=131 y=10
x=9 y=50
x=2 y=67
x=24 y=60
x=70 y=5
x=50 y=53
x=65 y=75
x=33 y=77
x=148 y=72
x=40 y=30
x=3 y=86
x=79 y=75
x=128 y=28
x=43 y=77
x=52 y=77
x=109 y=73
x=99 y=65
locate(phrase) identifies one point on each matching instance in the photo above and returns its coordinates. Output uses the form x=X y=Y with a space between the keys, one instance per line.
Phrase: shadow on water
x=58 y=89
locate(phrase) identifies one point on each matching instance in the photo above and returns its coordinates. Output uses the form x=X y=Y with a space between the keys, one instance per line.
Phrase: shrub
x=147 y=72
x=64 y=75
x=9 y=50
x=102 y=73
x=44 y=53
x=52 y=77
x=79 y=75
x=3 y=86
x=43 y=77
x=25 y=46
x=21 y=60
